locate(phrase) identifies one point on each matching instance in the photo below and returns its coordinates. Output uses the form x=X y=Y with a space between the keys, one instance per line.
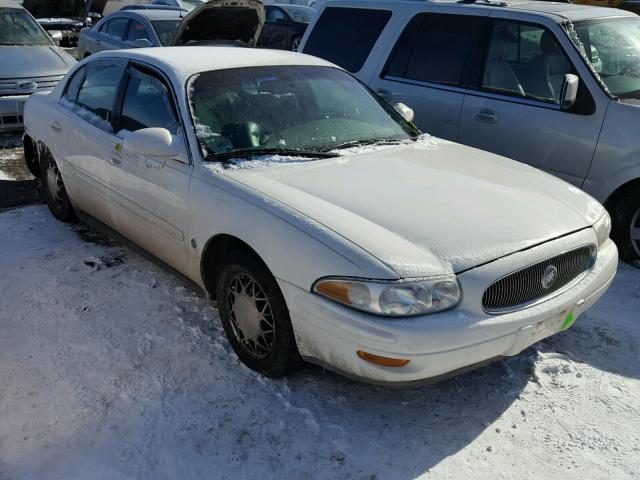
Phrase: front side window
x=275 y=15
x=166 y=30
x=96 y=96
x=137 y=31
x=436 y=48
x=345 y=36
x=294 y=108
x=117 y=27
x=73 y=86
x=525 y=61
x=612 y=46
x=17 y=27
x=147 y=103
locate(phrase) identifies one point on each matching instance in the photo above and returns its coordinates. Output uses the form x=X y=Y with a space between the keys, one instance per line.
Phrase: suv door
x=514 y=109
x=429 y=67
x=150 y=194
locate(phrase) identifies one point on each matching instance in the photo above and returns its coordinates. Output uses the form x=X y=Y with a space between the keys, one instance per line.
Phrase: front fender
x=296 y=250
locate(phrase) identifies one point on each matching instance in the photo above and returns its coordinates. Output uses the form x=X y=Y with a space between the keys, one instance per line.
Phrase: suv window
x=147 y=103
x=526 y=61
x=345 y=36
x=436 y=48
x=98 y=92
x=117 y=27
x=137 y=31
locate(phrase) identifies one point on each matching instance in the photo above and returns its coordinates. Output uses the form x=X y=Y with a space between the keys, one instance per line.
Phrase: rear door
x=83 y=123
x=429 y=67
x=514 y=108
x=150 y=194
x=274 y=30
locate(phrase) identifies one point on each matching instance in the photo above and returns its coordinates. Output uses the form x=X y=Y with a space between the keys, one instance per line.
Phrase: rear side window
x=137 y=31
x=147 y=103
x=345 y=36
x=97 y=94
x=117 y=27
x=436 y=48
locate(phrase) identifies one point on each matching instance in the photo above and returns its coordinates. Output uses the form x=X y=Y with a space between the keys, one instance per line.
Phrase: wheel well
x=215 y=251
x=620 y=193
x=31 y=156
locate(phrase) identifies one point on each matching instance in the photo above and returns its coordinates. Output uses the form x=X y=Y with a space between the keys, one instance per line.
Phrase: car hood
x=427 y=209
x=222 y=21
x=26 y=61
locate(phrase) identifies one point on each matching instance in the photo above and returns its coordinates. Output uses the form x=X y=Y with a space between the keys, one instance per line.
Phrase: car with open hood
x=215 y=22
x=29 y=62
x=322 y=222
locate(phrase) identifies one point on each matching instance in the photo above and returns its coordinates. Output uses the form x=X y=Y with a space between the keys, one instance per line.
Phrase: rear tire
x=626 y=225
x=53 y=190
x=295 y=43
x=255 y=316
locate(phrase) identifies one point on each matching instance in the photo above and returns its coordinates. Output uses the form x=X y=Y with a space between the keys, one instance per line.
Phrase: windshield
x=166 y=30
x=288 y=108
x=613 y=48
x=299 y=13
x=17 y=27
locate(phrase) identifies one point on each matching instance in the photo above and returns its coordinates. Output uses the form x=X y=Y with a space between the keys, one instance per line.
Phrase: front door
x=515 y=110
x=150 y=194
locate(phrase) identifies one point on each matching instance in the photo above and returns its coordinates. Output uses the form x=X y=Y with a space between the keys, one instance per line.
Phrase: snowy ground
x=113 y=369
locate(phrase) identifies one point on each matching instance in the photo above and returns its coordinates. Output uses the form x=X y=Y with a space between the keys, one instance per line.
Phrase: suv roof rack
x=488 y=3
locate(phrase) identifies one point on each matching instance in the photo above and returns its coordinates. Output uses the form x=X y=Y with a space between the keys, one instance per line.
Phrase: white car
x=324 y=225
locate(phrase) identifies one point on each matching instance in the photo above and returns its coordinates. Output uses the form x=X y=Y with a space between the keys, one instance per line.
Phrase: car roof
x=558 y=11
x=10 y=4
x=150 y=14
x=184 y=61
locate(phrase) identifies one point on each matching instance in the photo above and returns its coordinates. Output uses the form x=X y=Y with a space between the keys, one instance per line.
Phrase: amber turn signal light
x=384 y=361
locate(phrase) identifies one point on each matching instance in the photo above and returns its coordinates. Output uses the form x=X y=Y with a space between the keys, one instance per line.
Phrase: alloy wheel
x=251 y=316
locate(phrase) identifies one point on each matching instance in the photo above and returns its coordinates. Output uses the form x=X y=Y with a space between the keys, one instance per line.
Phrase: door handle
x=487 y=116
x=155 y=164
x=385 y=94
x=56 y=127
x=116 y=162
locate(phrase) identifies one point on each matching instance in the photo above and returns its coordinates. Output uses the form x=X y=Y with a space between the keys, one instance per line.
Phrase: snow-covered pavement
x=113 y=369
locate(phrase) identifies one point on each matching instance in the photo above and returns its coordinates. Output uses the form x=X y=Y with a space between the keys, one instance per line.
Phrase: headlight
x=603 y=228
x=392 y=299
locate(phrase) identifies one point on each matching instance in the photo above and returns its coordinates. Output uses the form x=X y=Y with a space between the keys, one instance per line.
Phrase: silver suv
x=553 y=85
x=29 y=62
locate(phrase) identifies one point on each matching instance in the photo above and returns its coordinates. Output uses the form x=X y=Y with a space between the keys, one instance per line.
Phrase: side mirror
x=142 y=43
x=569 y=91
x=406 y=112
x=56 y=36
x=151 y=142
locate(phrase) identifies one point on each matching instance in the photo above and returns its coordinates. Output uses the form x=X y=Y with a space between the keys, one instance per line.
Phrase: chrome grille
x=9 y=86
x=537 y=281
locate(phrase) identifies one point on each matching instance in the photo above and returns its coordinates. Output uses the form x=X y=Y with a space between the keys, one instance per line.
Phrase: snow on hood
x=426 y=209
x=222 y=21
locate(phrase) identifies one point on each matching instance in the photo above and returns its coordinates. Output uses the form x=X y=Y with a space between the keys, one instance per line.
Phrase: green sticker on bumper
x=568 y=321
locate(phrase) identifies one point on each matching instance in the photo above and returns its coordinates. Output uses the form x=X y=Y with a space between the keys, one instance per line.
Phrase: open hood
x=222 y=21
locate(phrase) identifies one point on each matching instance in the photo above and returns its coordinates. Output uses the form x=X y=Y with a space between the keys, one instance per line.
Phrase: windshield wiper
x=257 y=152
x=364 y=143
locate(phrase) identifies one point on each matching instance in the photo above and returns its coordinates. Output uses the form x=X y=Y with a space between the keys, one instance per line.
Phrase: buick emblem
x=27 y=86
x=549 y=277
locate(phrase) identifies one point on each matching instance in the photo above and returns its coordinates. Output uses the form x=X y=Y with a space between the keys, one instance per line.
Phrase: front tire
x=53 y=189
x=626 y=225
x=255 y=316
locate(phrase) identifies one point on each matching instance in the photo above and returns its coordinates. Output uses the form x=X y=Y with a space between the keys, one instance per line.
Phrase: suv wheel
x=255 y=317
x=626 y=225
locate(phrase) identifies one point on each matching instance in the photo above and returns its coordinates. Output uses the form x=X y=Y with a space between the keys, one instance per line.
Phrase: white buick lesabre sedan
x=322 y=222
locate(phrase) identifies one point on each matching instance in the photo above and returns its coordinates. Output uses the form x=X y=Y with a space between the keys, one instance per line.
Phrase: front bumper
x=11 y=111
x=437 y=345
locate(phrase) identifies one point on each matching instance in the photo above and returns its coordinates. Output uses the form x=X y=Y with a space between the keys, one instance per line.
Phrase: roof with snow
x=185 y=61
